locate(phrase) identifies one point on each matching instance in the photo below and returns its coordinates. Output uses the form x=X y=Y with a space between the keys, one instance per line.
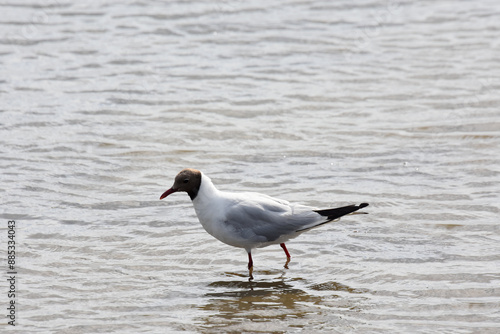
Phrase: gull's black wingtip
x=332 y=214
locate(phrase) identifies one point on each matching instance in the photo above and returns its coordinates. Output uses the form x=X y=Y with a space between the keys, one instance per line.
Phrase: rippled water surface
x=395 y=103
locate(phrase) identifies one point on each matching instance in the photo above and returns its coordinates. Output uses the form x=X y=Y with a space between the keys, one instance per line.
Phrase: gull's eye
x=185 y=181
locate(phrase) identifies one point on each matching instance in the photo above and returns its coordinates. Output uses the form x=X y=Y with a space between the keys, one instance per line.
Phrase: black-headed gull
x=250 y=220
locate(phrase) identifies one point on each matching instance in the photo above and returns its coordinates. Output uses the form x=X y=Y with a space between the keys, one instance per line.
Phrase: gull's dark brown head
x=188 y=180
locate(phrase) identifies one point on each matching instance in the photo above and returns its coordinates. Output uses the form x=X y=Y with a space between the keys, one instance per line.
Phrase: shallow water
x=326 y=104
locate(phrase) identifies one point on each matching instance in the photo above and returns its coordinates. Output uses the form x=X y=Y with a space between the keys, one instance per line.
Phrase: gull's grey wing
x=264 y=219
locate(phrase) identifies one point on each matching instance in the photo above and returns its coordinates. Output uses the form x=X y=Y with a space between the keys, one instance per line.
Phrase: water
x=395 y=103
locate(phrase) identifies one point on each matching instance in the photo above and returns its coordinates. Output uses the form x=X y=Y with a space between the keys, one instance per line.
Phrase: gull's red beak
x=168 y=192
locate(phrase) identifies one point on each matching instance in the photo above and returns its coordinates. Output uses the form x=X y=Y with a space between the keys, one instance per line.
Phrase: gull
x=250 y=220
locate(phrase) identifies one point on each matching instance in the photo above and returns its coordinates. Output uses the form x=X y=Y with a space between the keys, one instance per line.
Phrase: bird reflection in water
x=242 y=305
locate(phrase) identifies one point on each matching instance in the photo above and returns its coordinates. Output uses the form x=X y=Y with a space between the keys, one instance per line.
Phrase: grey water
x=395 y=103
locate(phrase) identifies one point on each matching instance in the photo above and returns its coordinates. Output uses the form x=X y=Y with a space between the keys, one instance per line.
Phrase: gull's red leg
x=286 y=250
x=250 y=265
x=250 y=262
x=288 y=257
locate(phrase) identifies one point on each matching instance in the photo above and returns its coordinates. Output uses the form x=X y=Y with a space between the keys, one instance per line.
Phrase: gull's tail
x=332 y=214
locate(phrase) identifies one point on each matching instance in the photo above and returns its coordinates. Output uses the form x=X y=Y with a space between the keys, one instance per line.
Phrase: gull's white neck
x=207 y=191
x=208 y=206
